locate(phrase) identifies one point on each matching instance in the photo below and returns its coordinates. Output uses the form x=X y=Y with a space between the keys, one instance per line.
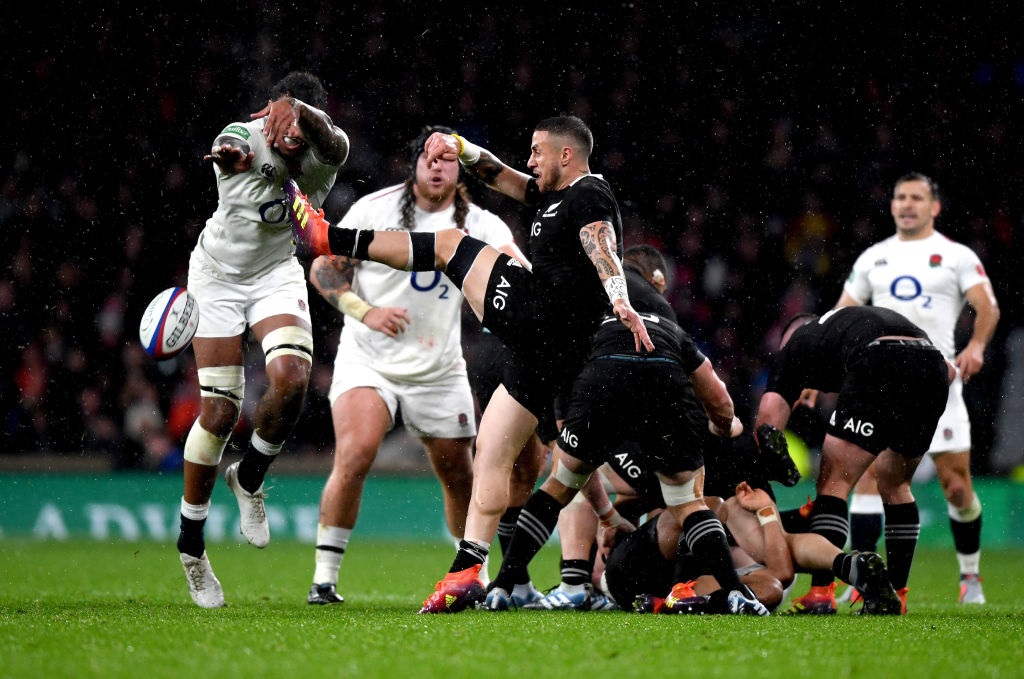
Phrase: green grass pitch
x=121 y=609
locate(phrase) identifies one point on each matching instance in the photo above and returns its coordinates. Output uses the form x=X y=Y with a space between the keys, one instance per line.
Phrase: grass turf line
x=86 y=609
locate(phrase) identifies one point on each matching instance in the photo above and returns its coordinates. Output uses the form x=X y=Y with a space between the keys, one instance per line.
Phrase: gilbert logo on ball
x=169 y=323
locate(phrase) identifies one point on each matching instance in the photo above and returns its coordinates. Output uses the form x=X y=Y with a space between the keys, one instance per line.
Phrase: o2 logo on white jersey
x=435 y=282
x=273 y=212
x=907 y=288
x=569 y=439
x=501 y=294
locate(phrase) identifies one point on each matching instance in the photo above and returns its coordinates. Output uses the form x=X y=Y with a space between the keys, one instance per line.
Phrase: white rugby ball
x=169 y=323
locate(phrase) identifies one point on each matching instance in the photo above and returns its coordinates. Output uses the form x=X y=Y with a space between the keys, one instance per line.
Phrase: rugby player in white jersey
x=927 y=277
x=245 y=277
x=400 y=349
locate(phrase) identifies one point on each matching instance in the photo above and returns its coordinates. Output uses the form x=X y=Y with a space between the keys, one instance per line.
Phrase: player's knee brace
x=290 y=340
x=202 y=447
x=224 y=381
x=680 y=494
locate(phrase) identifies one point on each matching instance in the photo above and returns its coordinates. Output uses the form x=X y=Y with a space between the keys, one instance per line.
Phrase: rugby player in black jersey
x=546 y=316
x=674 y=396
x=892 y=385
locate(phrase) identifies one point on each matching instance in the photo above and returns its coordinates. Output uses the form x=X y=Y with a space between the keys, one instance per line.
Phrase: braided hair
x=407 y=205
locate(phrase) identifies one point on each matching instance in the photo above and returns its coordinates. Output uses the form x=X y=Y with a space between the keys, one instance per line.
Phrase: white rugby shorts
x=227 y=306
x=953 y=432
x=442 y=408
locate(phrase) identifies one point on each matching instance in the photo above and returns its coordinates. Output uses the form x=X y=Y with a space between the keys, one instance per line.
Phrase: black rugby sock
x=966 y=535
x=704 y=536
x=353 y=243
x=469 y=555
x=902 y=529
x=575 y=571
x=253 y=469
x=865 y=529
x=829 y=518
x=507 y=526
x=536 y=523
x=190 y=537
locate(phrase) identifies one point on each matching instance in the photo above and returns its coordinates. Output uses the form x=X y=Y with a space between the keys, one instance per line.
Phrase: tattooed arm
x=329 y=143
x=598 y=240
x=332 y=277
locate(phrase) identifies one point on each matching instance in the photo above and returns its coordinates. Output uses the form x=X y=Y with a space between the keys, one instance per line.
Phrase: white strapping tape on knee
x=202 y=447
x=290 y=340
x=570 y=479
x=967 y=514
x=224 y=381
x=680 y=495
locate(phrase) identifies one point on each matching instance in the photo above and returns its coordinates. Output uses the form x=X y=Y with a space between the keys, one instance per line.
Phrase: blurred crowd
x=756 y=151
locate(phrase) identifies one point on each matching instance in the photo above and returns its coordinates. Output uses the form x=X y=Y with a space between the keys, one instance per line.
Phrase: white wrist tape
x=766 y=515
x=353 y=305
x=469 y=152
x=613 y=520
x=615 y=286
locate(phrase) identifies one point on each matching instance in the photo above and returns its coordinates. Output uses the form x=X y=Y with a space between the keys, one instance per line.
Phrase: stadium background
x=755 y=145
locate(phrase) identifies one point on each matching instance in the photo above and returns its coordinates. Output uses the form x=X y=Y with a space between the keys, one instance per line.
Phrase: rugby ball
x=169 y=323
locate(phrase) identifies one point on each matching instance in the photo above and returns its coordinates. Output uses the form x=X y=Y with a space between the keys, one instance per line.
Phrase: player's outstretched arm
x=332 y=277
x=479 y=162
x=231 y=155
x=714 y=396
x=598 y=239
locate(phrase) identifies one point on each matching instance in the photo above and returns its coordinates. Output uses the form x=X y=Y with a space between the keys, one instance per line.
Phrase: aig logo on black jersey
x=501 y=294
x=628 y=465
x=569 y=439
x=859 y=427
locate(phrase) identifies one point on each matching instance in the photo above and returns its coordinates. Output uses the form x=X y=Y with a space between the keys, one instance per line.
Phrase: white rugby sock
x=331 y=542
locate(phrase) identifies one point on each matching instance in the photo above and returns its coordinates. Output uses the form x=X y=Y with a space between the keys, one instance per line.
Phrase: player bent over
x=892 y=385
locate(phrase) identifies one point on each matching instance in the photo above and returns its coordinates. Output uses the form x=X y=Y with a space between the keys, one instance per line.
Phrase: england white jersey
x=249 y=232
x=431 y=345
x=925 y=280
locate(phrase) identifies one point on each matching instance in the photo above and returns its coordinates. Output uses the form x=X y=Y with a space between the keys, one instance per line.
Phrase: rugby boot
x=203 y=585
x=873 y=584
x=309 y=228
x=324 y=595
x=970 y=589
x=456 y=592
x=684 y=600
x=775 y=449
x=818 y=601
x=252 y=512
